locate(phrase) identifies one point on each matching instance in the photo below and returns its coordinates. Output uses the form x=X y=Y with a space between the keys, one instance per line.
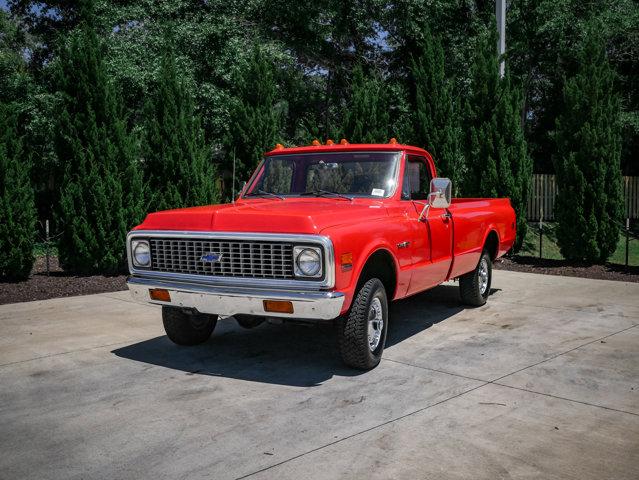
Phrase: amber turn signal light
x=160 y=294
x=278 y=306
x=346 y=259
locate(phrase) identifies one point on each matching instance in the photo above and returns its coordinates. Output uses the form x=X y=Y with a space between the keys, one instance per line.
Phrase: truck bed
x=472 y=218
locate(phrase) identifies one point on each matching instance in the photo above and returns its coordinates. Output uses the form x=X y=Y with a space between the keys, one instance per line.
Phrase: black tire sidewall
x=469 y=285
x=489 y=265
x=353 y=331
x=187 y=329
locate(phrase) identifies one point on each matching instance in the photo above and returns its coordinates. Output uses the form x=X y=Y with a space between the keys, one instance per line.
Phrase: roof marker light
x=279 y=146
x=343 y=141
x=316 y=143
x=392 y=141
x=330 y=142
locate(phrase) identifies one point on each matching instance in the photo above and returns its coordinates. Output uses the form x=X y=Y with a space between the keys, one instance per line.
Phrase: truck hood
x=309 y=216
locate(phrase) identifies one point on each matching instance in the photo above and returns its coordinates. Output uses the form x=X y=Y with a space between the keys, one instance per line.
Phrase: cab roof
x=348 y=147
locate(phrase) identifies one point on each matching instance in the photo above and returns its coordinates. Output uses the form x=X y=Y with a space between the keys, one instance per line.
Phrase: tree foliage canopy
x=173 y=146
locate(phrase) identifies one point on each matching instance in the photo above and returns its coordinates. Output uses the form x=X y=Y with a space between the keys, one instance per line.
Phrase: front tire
x=362 y=334
x=249 y=321
x=185 y=328
x=474 y=287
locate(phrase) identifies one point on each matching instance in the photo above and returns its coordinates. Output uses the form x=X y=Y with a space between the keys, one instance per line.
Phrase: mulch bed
x=39 y=286
x=564 y=268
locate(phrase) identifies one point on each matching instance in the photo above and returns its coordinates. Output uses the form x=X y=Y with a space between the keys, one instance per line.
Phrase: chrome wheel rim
x=375 y=324
x=483 y=276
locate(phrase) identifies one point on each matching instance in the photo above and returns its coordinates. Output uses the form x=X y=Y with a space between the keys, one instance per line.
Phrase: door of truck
x=432 y=245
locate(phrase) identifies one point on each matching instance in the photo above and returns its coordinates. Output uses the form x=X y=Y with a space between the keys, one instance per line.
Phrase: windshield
x=352 y=174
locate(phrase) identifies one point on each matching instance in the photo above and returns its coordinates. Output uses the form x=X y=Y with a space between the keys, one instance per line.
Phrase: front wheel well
x=492 y=244
x=380 y=265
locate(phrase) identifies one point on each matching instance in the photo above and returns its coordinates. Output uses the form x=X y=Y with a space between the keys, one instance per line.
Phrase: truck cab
x=319 y=233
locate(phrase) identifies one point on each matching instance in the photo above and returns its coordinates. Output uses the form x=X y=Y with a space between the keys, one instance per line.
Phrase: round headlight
x=309 y=262
x=141 y=254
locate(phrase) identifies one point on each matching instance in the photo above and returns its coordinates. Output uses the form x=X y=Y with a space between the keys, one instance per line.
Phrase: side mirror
x=440 y=196
x=440 y=193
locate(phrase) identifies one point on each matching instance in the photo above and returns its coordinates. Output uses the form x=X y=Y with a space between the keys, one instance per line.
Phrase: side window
x=416 y=182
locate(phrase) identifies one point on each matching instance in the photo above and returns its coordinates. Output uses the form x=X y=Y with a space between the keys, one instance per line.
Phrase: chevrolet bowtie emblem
x=211 y=257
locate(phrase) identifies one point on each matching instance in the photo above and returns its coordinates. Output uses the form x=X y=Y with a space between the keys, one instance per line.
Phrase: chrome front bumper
x=226 y=301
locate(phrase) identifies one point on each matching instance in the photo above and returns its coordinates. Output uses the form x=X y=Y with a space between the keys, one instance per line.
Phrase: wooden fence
x=543 y=191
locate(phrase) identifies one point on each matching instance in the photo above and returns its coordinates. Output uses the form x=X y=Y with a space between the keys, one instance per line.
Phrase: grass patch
x=40 y=250
x=550 y=249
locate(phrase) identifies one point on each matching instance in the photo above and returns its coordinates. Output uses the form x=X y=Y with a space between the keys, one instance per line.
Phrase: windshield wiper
x=261 y=193
x=323 y=193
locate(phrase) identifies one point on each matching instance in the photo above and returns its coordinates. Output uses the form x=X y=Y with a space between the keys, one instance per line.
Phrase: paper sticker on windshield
x=377 y=192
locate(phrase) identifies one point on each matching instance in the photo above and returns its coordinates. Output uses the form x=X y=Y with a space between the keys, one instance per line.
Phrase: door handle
x=447 y=216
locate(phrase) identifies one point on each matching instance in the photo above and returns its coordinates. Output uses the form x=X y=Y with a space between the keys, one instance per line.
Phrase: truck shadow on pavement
x=288 y=354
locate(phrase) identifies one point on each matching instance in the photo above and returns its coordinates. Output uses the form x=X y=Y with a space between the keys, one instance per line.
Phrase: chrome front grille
x=238 y=258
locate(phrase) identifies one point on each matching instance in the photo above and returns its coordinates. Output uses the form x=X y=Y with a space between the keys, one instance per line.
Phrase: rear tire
x=362 y=334
x=185 y=328
x=474 y=287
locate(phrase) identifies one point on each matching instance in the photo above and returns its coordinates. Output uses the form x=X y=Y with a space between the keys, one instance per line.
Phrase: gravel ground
x=39 y=286
x=59 y=284
x=563 y=268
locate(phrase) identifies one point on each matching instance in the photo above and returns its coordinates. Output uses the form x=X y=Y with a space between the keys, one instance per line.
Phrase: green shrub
x=365 y=118
x=497 y=161
x=435 y=117
x=177 y=162
x=17 y=210
x=256 y=116
x=102 y=193
x=589 y=204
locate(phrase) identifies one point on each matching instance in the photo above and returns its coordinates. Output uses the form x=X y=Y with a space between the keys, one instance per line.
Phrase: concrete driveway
x=542 y=382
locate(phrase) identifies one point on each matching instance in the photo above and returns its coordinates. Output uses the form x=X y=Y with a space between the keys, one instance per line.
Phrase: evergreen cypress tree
x=497 y=161
x=590 y=197
x=365 y=118
x=102 y=194
x=17 y=208
x=177 y=162
x=435 y=117
x=256 y=119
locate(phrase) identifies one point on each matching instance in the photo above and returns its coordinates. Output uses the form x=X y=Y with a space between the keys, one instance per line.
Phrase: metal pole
x=500 y=13
x=627 y=239
x=541 y=233
x=46 y=244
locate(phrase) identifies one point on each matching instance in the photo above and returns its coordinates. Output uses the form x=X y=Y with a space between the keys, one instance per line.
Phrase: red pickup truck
x=319 y=233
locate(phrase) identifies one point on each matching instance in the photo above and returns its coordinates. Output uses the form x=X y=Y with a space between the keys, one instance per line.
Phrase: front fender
x=362 y=240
